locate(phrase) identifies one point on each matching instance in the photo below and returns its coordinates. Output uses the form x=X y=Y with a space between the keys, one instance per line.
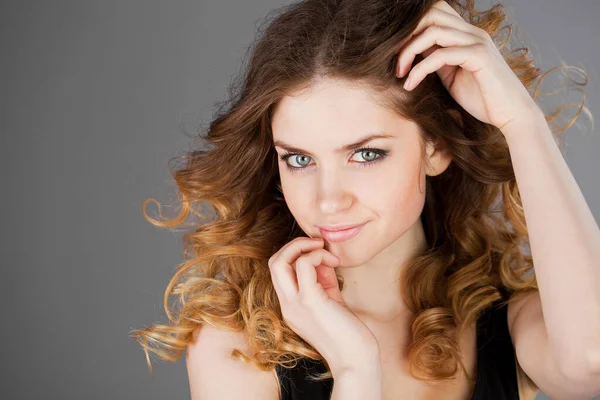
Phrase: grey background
x=97 y=96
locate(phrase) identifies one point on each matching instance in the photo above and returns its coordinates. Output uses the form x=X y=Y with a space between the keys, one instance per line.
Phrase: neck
x=373 y=289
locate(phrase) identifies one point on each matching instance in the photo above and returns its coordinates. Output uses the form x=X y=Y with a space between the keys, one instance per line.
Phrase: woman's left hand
x=469 y=65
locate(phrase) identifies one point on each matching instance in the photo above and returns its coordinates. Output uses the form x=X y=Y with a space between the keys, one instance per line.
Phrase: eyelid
x=288 y=154
x=382 y=154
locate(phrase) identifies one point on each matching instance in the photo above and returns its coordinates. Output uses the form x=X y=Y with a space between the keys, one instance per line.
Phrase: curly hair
x=477 y=241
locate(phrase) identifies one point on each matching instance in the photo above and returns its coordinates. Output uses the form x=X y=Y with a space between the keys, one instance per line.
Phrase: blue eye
x=381 y=154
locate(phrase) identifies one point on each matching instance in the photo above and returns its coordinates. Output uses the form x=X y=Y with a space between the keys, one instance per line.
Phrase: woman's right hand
x=304 y=279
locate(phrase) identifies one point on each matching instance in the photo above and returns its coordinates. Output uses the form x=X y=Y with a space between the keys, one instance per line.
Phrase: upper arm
x=214 y=375
x=530 y=340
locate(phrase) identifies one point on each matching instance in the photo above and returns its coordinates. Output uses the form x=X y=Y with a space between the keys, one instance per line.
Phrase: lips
x=335 y=228
x=340 y=235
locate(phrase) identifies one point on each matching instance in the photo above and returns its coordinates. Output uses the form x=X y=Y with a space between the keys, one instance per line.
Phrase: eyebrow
x=345 y=148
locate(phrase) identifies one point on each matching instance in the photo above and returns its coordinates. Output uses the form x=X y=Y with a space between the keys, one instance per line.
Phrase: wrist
x=366 y=368
x=363 y=382
x=533 y=120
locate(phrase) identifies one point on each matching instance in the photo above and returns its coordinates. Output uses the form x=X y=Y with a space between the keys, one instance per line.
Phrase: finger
x=327 y=277
x=444 y=6
x=292 y=244
x=465 y=56
x=281 y=267
x=277 y=288
x=433 y=35
x=464 y=25
x=307 y=274
x=442 y=17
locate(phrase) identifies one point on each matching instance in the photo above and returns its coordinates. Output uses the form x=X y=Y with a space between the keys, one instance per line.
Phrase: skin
x=559 y=348
x=334 y=188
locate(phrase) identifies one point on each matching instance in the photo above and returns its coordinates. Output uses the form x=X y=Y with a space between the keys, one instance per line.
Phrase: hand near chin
x=304 y=279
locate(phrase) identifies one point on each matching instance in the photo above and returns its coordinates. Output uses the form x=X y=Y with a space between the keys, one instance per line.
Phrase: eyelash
x=381 y=153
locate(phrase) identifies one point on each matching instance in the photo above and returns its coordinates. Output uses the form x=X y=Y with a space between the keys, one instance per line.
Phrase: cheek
x=293 y=198
x=297 y=200
x=401 y=199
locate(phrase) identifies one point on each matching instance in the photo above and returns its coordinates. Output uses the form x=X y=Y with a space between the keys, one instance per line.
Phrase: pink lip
x=341 y=235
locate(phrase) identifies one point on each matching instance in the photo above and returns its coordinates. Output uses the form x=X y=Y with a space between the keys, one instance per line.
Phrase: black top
x=496 y=369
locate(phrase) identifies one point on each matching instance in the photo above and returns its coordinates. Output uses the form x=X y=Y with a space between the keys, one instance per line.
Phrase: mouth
x=341 y=235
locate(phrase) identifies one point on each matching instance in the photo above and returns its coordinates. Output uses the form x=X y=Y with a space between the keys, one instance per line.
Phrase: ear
x=438 y=157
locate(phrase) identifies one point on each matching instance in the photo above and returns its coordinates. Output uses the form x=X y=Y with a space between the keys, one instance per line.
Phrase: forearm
x=359 y=384
x=565 y=243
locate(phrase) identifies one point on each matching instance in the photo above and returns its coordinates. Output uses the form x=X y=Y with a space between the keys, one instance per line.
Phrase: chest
x=399 y=383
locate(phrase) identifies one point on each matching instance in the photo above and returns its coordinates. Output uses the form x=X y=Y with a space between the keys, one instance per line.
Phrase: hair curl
x=477 y=239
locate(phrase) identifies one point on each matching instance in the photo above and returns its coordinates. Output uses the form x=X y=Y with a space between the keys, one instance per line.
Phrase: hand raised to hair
x=469 y=65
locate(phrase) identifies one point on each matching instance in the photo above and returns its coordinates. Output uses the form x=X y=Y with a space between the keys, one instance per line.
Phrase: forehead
x=333 y=108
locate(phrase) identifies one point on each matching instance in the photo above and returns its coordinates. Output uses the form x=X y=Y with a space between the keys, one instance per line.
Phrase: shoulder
x=212 y=370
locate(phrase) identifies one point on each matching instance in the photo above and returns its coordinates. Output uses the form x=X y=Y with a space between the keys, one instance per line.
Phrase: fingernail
x=407 y=83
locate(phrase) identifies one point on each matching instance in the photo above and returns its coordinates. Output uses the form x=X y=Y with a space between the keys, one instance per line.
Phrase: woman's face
x=384 y=187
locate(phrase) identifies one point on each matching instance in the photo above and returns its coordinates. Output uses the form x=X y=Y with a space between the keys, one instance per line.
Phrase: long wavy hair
x=477 y=241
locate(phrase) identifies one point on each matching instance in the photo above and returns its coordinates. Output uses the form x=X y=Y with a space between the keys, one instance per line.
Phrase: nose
x=333 y=197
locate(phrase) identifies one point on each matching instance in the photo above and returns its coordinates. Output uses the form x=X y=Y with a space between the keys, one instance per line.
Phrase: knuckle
x=271 y=262
x=302 y=258
x=325 y=256
x=481 y=32
x=316 y=256
x=481 y=48
x=320 y=255
x=435 y=12
x=307 y=257
x=435 y=30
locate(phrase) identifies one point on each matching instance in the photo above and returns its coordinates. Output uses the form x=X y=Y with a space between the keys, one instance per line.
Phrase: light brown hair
x=473 y=217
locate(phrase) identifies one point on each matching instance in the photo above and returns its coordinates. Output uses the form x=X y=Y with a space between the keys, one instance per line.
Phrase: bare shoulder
x=213 y=374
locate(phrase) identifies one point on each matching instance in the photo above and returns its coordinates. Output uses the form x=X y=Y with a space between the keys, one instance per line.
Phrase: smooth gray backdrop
x=97 y=96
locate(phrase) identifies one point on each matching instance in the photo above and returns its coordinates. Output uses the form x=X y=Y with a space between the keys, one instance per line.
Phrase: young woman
x=392 y=219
